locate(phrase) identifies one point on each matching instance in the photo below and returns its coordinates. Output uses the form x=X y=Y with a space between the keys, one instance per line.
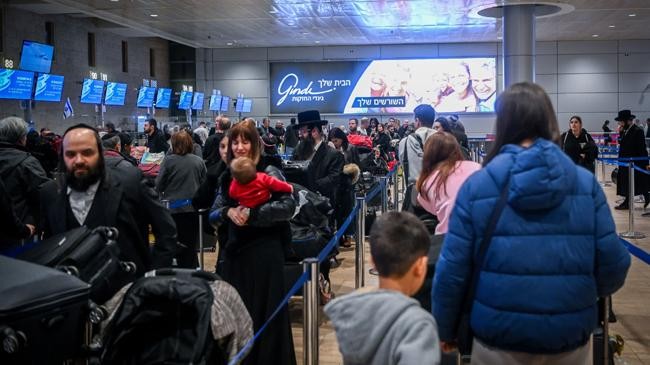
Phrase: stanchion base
x=605 y=184
x=633 y=235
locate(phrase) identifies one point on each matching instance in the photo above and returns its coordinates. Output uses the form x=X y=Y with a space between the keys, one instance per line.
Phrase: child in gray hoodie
x=384 y=326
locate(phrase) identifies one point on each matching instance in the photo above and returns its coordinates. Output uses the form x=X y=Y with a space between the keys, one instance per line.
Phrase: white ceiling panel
x=282 y=23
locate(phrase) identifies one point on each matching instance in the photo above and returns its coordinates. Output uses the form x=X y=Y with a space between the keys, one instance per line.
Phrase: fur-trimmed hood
x=353 y=171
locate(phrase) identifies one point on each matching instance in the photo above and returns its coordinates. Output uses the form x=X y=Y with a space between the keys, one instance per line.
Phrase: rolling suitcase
x=43 y=313
x=89 y=254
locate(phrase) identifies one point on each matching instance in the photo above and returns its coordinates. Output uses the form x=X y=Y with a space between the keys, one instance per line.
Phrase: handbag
x=464 y=330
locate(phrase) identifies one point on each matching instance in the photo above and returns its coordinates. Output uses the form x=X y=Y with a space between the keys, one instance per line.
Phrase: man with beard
x=91 y=196
x=326 y=164
x=155 y=138
x=352 y=126
x=632 y=144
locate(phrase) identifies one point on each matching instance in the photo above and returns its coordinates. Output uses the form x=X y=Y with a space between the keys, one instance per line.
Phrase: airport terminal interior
x=159 y=118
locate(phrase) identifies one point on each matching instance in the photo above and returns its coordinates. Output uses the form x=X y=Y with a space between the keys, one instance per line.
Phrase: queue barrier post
x=359 y=249
x=310 y=312
x=395 y=190
x=201 y=255
x=606 y=304
x=630 y=199
x=165 y=203
x=604 y=183
x=384 y=194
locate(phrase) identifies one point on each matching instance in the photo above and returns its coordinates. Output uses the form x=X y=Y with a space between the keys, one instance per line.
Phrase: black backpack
x=164 y=319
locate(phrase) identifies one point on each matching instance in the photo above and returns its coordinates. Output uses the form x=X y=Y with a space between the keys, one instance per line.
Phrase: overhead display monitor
x=185 y=101
x=451 y=85
x=197 y=101
x=146 y=96
x=239 y=105
x=115 y=93
x=16 y=84
x=215 y=102
x=225 y=103
x=247 y=106
x=92 y=91
x=48 y=87
x=36 y=57
x=163 y=98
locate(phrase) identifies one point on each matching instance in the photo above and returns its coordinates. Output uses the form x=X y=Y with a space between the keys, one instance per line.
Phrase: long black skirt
x=257 y=272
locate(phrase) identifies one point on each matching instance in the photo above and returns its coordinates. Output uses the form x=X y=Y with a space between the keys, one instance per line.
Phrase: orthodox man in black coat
x=631 y=144
x=91 y=195
x=326 y=164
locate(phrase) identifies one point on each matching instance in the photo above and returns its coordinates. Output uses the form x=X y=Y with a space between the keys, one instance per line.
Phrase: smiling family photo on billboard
x=466 y=85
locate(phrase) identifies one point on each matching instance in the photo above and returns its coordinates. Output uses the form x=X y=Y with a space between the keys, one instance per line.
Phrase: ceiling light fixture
x=229 y=44
x=316 y=41
x=154 y=15
x=595 y=35
x=631 y=15
x=612 y=26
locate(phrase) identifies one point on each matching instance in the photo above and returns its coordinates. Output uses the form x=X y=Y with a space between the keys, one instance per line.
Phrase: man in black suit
x=631 y=144
x=93 y=196
x=326 y=164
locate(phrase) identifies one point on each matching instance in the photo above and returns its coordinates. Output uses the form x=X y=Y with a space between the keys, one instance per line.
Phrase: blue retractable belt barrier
x=181 y=203
x=241 y=354
x=637 y=251
x=641 y=170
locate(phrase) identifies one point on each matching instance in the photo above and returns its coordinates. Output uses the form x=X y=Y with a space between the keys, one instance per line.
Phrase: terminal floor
x=631 y=303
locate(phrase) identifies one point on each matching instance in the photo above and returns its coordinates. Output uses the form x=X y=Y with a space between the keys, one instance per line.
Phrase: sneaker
x=373 y=271
x=623 y=206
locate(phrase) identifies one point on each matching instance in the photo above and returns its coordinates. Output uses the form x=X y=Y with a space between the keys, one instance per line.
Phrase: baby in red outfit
x=251 y=188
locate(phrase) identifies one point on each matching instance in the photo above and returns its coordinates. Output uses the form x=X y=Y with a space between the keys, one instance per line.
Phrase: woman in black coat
x=253 y=252
x=579 y=145
x=382 y=140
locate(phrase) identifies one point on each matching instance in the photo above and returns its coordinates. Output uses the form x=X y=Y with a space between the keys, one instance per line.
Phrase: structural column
x=518 y=44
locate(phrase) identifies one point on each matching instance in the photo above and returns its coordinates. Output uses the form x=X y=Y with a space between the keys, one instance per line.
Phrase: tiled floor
x=631 y=303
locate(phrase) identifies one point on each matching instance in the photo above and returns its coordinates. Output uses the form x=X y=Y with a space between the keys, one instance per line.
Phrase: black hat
x=310 y=117
x=624 y=116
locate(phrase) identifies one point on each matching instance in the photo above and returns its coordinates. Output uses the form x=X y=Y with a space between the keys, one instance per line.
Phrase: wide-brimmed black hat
x=310 y=117
x=624 y=115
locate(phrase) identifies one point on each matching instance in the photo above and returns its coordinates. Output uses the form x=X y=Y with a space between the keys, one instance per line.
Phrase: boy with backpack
x=383 y=326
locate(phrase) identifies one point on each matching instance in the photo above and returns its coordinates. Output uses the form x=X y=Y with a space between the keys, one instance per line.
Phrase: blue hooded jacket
x=553 y=252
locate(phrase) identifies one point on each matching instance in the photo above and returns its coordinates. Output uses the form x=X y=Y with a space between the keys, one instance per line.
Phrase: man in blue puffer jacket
x=553 y=252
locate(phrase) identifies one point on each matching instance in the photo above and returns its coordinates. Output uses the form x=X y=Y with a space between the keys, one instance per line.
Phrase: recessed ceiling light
x=595 y=35
x=229 y=44
x=612 y=26
x=631 y=15
x=316 y=41
x=154 y=15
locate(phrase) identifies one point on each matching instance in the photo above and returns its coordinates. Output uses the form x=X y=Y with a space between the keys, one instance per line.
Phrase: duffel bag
x=89 y=254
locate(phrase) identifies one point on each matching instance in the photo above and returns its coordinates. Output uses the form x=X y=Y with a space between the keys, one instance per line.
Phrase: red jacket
x=258 y=191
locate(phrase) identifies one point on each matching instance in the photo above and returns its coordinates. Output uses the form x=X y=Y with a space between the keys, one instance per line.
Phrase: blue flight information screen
x=146 y=96
x=215 y=102
x=197 y=102
x=92 y=91
x=115 y=93
x=185 y=100
x=163 y=98
x=48 y=87
x=16 y=84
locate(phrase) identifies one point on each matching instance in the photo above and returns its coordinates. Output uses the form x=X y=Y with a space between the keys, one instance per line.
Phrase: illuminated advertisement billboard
x=458 y=85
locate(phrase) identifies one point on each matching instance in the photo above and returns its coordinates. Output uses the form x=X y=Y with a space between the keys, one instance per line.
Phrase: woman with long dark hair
x=579 y=145
x=551 y=247
x=253 y=260
x=444 y=170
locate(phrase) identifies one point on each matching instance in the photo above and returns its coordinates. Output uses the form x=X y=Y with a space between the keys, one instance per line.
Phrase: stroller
x=175 y=316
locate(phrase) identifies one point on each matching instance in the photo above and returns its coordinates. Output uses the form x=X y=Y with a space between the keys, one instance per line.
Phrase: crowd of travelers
x=517 y=249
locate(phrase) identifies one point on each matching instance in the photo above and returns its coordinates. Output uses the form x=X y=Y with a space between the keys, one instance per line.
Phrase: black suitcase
x=89 y=254
x=43 y=313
